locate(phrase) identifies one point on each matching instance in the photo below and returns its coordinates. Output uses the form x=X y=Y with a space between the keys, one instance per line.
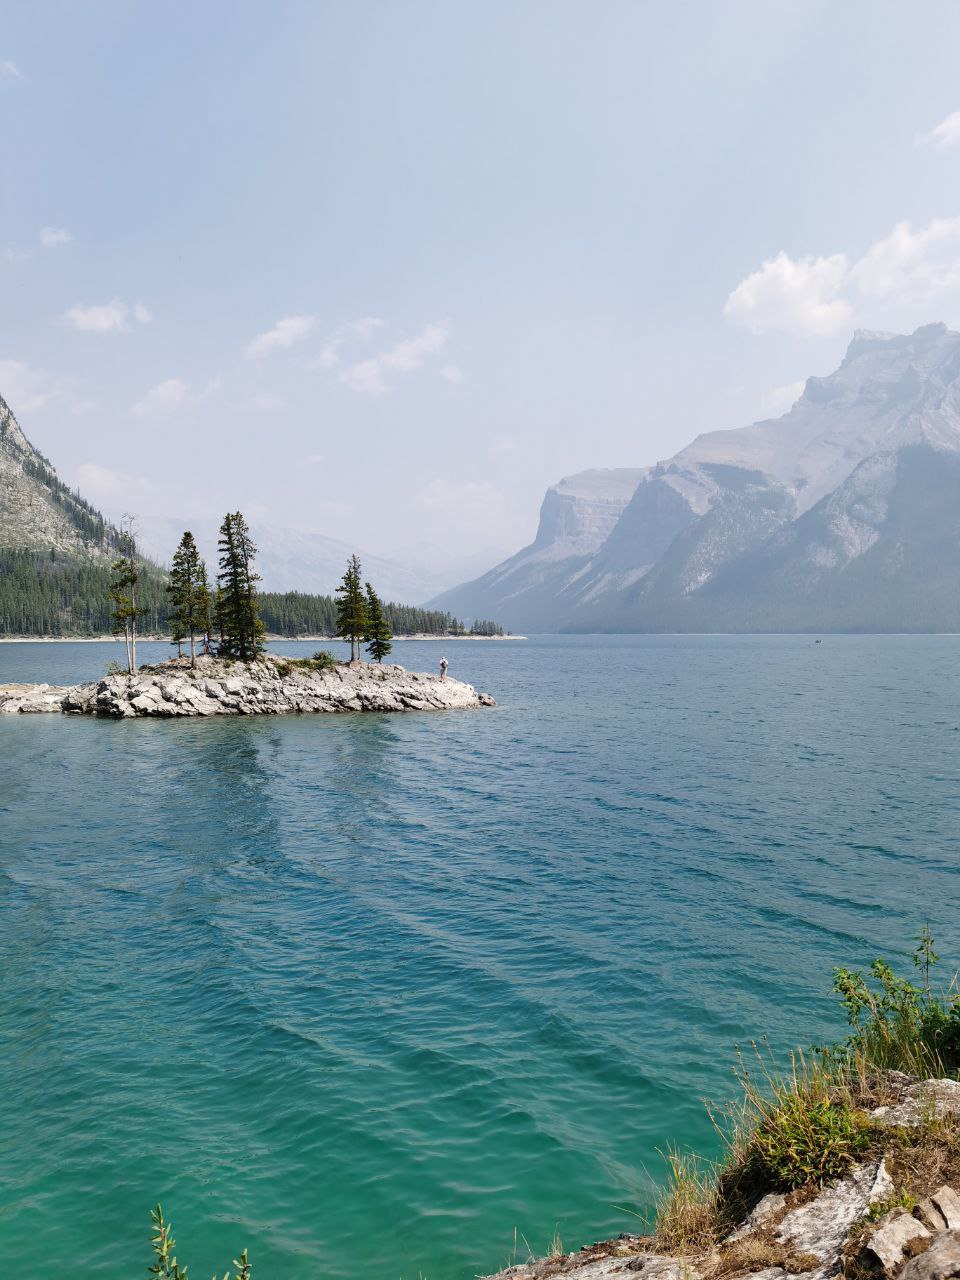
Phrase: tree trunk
x=193 y=649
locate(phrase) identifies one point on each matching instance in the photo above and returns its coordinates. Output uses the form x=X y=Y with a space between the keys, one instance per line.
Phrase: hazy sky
x=386 y=270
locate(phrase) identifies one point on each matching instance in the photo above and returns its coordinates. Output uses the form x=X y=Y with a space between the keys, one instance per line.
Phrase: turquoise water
x=371 y=994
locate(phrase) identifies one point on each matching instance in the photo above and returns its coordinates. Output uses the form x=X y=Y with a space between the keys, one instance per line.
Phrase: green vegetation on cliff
x=798 y=1129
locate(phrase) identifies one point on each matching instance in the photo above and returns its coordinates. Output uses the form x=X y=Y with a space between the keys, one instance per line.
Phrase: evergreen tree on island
x=241 y=626
x=378 y=634
x=352 y=618
x=189 y=595
x=123 y=592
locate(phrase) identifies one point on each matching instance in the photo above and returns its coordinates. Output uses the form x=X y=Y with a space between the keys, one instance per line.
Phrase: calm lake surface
x=372 y=994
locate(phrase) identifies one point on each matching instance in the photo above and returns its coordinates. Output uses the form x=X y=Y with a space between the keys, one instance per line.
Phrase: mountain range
x=843 y=514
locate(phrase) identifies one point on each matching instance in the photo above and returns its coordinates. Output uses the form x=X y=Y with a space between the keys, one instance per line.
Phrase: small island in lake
x=267 y=685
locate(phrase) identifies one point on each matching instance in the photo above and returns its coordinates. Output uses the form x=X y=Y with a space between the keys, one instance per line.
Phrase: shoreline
x=271 y=639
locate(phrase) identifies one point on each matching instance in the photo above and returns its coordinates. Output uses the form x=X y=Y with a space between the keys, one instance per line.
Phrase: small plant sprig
x=165 y=1267
x=168 y=1268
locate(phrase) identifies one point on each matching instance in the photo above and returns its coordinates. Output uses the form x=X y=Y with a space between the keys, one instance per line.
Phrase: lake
x=405 y=995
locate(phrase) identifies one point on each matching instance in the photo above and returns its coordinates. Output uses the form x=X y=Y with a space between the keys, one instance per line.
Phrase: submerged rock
x=268 y=686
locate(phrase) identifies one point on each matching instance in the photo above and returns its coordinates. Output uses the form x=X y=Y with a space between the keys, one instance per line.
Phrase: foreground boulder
x=269 y=686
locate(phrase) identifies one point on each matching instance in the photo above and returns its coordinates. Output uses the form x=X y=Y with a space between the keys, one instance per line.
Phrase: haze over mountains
x=842 y=514
x=299 y=560
x=39 y=512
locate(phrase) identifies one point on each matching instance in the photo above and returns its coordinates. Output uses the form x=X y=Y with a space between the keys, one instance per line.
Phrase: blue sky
x=386 y=270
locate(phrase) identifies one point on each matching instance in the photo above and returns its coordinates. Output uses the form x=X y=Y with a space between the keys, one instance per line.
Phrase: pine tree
x=241 y=625
x=204 y=606
x=352 y=608
x=378 y=634
x=189 y=595
x=218 y=618
x=123 y=592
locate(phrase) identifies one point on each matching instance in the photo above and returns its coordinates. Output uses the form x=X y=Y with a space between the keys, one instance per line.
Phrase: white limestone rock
x=926 y=1099
x=888 y=1242
x=821 y=1226
x=940 y=1262
x=267 y=687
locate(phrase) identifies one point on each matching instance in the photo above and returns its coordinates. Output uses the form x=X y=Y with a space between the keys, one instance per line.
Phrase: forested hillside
x=55 y=594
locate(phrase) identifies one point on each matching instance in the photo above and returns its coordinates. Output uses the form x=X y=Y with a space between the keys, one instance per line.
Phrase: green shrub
x=322 y=660
x=898 y=1024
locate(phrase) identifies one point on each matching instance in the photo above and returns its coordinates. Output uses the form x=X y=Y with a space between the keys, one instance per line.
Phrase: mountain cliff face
x=577 y=517
x=37 y=510
x=842 y=514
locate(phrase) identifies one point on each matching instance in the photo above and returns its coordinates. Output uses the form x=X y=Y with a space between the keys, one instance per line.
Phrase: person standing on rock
x=443 y=668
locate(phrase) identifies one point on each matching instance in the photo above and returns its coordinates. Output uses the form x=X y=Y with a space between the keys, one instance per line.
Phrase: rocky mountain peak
x=579 y=512
x=844 y=511
x=38 y=512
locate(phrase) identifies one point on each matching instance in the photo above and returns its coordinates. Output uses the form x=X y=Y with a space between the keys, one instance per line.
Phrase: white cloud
x=173 y=396
x=502 y=444
x=410 y=354
x=287 y=331
x=13 y=254
x=945 y=135
x=451 y=373
x=9 y=70
x=895 y=281
x=311 y=460
x=107 y=317
x=792 y=296
x=406 y=356
x=163 y=399
x=25 y=389
x=51 y=237
x=103 y=485
x=360 y=330
x=915 y=266
x=365 y=377
x=780 y=399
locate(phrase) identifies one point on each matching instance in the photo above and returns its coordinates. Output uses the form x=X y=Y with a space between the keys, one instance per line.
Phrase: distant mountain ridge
x=843 y=514
x=297 y=560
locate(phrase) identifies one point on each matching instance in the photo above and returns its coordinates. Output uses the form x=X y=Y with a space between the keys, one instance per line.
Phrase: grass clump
x=799 y=1129
x=687 y=1207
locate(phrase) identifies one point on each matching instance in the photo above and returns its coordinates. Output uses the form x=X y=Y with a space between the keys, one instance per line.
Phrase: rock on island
x=271 y=685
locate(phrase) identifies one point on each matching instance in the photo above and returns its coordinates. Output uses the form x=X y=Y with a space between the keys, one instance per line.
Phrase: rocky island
x=269 y=685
